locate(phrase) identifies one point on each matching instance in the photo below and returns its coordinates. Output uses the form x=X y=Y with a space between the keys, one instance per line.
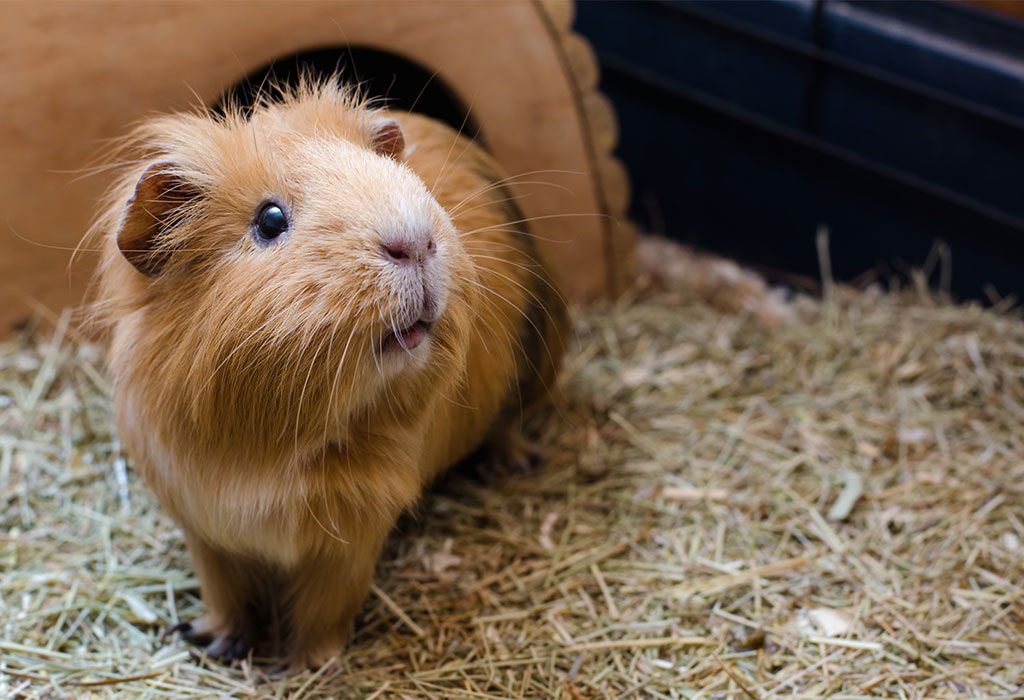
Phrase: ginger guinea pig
x=314 y=309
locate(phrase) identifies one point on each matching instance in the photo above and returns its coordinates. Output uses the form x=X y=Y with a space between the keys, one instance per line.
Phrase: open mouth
x=407 y=338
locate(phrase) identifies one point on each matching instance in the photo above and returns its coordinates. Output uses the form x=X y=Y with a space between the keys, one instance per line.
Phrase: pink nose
x=408 y=249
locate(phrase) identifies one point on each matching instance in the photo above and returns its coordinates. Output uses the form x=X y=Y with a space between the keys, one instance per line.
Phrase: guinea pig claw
x=228 y=647
x=240 y=649
x=188 y=632
x=182 y=628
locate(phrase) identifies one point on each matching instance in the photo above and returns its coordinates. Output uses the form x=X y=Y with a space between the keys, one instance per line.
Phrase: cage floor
x=833 y=506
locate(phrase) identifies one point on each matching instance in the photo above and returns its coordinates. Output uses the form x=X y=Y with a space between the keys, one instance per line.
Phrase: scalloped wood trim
x=600 y=128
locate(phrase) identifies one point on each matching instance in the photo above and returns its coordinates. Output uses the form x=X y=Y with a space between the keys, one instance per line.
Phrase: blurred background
x=748 y=124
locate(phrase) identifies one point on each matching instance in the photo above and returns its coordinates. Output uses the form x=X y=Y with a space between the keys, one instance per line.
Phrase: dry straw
x=829 y=507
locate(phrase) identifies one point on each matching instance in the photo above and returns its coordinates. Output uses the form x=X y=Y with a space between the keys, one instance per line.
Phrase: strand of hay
x=833 y=506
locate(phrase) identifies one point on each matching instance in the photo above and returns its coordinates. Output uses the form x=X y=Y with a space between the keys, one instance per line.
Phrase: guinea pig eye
x=271 y=222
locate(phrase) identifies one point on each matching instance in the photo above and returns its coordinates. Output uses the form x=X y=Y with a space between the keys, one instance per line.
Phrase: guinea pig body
x=313 y=311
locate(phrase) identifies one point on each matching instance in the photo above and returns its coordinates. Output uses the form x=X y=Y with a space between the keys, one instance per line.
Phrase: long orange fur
x=250 y=390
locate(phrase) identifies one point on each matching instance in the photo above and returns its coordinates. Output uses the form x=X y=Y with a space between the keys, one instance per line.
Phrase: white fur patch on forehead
x=353 y=184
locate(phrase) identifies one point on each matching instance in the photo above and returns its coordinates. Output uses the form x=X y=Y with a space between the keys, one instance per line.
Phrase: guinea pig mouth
x=407 y=338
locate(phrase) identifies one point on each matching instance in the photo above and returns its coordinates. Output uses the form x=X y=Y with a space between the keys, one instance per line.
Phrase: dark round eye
x=271 y=222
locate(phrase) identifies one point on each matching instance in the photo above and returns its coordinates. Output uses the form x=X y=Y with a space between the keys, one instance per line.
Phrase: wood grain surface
x=77 y=74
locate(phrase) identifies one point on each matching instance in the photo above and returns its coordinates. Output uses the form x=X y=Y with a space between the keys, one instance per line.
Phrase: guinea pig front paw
x=300 y=663
x=309 y=661
x=313 y=654
x=193 y=632
x=218 y=641
x=229 y=647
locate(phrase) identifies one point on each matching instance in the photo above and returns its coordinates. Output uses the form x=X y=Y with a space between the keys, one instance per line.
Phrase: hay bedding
x=827 y=507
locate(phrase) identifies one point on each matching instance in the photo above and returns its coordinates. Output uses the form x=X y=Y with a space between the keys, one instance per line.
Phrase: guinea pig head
x=283 y=275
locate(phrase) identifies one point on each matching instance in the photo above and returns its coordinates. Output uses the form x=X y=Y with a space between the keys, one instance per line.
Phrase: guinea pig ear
x=388 y=139
x=160 y=195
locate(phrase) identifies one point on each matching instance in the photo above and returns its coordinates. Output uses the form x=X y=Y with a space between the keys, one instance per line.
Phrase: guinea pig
x=314 y=307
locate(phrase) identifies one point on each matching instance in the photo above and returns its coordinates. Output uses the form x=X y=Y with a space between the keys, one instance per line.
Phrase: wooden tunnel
x=77 y=74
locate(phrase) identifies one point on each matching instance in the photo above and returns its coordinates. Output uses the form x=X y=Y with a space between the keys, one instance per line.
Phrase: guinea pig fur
x=313 y=309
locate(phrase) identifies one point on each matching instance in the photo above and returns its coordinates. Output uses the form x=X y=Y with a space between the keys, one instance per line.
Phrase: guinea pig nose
x=408 y=249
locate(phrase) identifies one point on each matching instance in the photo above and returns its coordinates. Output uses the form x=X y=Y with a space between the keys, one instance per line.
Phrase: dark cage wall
x=749 y=124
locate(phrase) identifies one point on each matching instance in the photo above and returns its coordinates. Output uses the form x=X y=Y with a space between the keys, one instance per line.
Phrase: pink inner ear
x=388 y=139
x=158 y=194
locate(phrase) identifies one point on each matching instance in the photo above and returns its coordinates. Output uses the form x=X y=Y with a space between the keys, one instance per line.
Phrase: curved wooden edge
x=543 y=116
x=600 y=128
